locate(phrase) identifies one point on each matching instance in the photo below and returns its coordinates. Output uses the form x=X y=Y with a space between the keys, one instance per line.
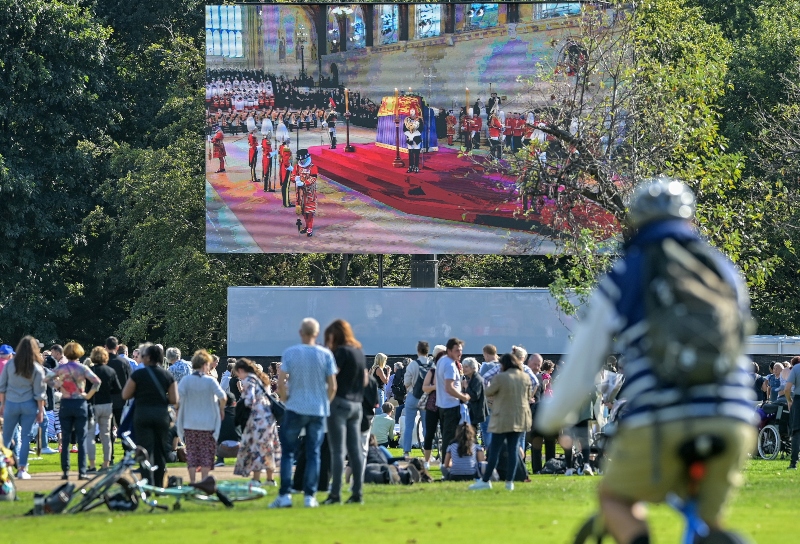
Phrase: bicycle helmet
x=657 y=199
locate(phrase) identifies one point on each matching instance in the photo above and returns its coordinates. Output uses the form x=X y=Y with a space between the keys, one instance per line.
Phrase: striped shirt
x=463 y=466
x=649 y=400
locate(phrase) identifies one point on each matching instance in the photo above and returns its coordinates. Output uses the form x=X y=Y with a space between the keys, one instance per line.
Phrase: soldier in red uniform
x=495 y=134
x=518 y=130
x=218 y=141
x=306 y=181
x=252 y=156
x=509 y=131
x=285 y=158
x=476 y=125
x=266 y=162
x=451 y=122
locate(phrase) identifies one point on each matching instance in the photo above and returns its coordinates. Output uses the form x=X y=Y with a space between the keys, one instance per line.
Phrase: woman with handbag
x=153 y=388
x=200 y=415
x=260 y=448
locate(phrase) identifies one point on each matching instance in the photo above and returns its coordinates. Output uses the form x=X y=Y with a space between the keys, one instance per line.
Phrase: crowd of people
x=232 y=96
x=479 y=414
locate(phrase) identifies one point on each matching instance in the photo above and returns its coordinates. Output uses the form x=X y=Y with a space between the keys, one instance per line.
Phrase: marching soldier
x=451 y=123
x=252 y=141
x=218 y=141
x=285 y=170
x=518 y=131
x=306 y=181
x=476 y=125
x=495 y=134
x=413 y=134
x=266 y=161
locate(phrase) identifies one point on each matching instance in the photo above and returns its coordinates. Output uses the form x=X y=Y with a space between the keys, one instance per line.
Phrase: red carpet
x=447 y=187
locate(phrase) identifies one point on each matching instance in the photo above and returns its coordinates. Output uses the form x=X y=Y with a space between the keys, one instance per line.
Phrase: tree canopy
x=102 y=181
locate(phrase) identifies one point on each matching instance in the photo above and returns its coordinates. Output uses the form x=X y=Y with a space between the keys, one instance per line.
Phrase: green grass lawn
x=546 y=510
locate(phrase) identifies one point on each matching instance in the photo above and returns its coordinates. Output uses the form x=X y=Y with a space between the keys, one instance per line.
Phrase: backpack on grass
x=695 y=329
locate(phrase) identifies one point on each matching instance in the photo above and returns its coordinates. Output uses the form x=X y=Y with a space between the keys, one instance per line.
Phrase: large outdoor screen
x=369 y=128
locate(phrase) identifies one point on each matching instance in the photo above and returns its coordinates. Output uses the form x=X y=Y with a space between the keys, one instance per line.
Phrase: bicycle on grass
x=121 y=487
x=695 y=454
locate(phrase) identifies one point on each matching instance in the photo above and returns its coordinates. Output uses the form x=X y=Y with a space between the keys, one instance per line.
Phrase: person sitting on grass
x=464 y=459
x=383 y=425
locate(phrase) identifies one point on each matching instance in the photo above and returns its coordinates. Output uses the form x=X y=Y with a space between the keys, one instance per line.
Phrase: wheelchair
x=774 y=438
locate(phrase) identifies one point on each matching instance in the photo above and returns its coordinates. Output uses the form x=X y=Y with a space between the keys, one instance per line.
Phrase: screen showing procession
x=386 y=128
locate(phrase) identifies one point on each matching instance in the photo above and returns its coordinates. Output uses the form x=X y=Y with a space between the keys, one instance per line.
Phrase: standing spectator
x=344 y=423
x=473 y=386
x=307 y=382
x=413 y=380
x=102 y=403
x=537 y=439
x=230 y=434
x=22 y=397
x=6 y=353
x=233 y=383
x=792 y=392
x=153 y=389
x=775 y=383
x=212 y=368
x=177 y=366
x=397 y=387
x=124 y=371
x=50 y=363
x=70 y=379
x=200 y=415
x=490 y=364
x=448 y=390
x=377 y=371
x=758 y=382
x=122 y=353
x=260 y=448
x=431 y=410
x=137 y=360
x=511 y=417
x=225 y=381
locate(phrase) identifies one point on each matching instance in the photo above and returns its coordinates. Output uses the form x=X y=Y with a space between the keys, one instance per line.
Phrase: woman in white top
x=200 y=415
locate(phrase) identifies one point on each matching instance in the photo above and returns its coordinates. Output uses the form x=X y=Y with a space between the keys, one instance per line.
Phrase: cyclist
x=644 y=461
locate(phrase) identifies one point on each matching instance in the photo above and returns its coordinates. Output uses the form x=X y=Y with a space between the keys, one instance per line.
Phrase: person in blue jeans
x=70 y=379
x=415 y=374
x=306 y=384
x=22 y=396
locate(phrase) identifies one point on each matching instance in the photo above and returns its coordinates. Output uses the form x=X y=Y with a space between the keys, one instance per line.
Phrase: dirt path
x=47 y=481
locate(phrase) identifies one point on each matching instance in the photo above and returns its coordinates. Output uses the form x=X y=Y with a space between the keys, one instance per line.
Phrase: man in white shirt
x=416 y=369
x=448 y=390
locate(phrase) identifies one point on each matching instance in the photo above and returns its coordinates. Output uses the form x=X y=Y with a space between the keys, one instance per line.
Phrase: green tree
x=53 y=119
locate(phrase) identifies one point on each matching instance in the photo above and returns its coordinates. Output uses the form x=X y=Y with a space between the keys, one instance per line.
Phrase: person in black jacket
x=229 y=432
x=473 y=383
x=123 y=370
x=102 y=402
x=153 y=389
